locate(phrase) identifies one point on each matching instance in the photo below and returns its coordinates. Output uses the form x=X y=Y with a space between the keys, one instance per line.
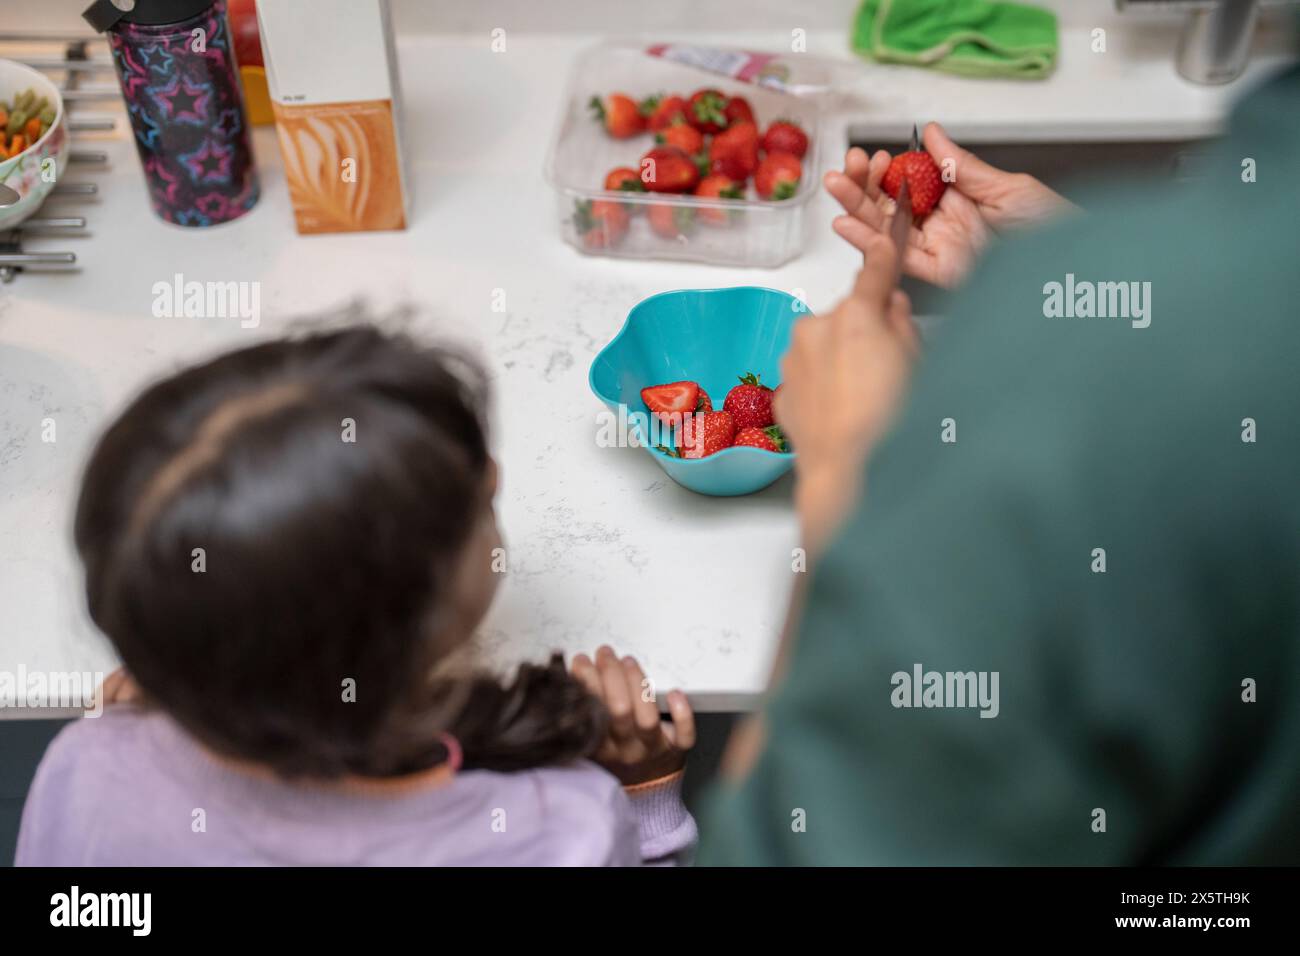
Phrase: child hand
x=981 y=201
x=639 y=746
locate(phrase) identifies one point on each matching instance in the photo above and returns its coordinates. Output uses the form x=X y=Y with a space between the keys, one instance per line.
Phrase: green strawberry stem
x=582 y=215
x=785 y=189
x=711 y=109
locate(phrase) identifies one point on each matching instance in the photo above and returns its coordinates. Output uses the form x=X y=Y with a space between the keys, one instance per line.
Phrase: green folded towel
x=971 y=37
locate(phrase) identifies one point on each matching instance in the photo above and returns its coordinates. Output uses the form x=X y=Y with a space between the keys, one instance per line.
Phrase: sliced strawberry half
x=672 y=398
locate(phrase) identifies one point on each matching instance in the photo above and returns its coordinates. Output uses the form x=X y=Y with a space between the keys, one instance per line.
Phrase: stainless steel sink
x=1068 y=167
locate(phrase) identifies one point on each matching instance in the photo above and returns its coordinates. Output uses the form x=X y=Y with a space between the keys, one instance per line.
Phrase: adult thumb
x=970 y=174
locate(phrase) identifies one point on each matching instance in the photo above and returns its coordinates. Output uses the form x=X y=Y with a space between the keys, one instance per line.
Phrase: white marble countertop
x=600 y=542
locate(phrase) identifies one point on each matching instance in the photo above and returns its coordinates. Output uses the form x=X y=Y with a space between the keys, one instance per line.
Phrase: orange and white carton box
x=331 y=68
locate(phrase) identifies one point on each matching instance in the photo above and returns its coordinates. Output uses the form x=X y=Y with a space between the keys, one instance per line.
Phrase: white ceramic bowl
x=34 y=171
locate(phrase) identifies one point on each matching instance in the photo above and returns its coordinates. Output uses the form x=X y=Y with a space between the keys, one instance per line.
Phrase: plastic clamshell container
x=709 y=336
x=757 y=232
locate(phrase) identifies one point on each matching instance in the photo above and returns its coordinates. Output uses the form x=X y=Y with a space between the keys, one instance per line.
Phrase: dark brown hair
x=324 y=560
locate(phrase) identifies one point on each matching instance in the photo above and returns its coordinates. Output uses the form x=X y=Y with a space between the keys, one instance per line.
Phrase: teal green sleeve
x=1120 y=691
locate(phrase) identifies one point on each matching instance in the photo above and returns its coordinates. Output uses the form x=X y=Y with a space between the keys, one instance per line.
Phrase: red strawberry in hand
x=768 y=439
x=924 y=182
x=667 y=169
x=750 y=403
x=672 y=399
x=705 y=434
x=707 y=111
x=778 y=176
x=620 y=114
x=784 y=136
x=734 y=152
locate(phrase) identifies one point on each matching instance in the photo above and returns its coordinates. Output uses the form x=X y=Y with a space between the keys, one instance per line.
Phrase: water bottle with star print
x=175 y=61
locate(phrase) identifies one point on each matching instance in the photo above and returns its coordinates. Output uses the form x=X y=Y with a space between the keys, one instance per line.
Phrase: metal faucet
x=1215 y=43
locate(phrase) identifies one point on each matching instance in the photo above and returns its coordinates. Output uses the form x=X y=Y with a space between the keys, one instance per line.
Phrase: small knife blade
x=900 y=227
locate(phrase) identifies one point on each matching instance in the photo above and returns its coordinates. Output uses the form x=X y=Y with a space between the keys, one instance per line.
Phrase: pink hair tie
x=455 y=757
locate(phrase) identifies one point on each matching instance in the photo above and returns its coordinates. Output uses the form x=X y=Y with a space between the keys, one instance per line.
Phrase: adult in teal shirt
x=1103 y=513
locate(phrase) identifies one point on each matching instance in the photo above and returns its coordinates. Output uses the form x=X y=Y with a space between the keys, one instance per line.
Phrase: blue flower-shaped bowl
x=709 y=336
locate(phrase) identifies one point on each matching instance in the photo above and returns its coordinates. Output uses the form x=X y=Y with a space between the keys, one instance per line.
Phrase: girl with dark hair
x=285 y=545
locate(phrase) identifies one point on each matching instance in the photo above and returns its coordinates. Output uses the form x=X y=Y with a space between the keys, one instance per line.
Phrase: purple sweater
x=130 y=788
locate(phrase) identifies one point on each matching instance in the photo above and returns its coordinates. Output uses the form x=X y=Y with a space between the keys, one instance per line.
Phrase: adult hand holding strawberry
x=841 y=380
x=980 y=202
